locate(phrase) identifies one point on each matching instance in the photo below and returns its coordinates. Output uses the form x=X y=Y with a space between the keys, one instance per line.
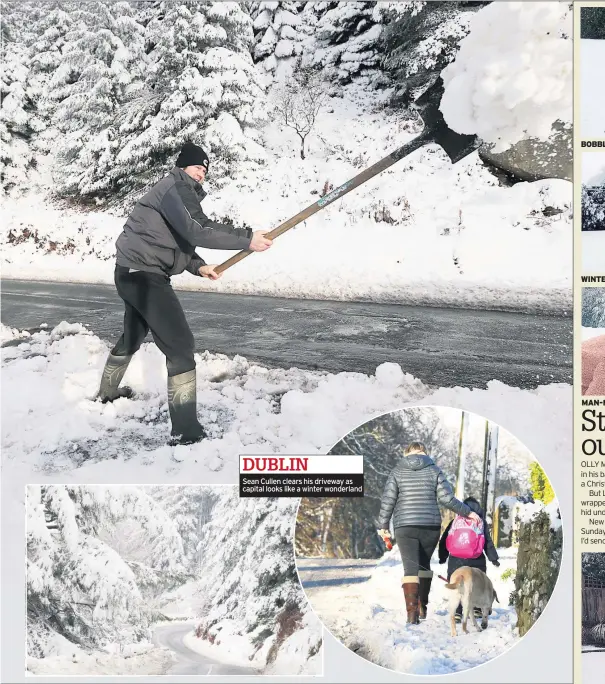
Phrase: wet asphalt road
x=442 y=347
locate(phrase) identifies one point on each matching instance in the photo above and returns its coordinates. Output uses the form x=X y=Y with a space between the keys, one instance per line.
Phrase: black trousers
x=416 y=546
x=151 y=304
x=454 y=563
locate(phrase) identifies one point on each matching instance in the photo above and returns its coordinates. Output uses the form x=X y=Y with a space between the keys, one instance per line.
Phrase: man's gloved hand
x=496 y=563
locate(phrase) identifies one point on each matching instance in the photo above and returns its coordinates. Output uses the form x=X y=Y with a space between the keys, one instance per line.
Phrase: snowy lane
x=443 y=347
x=190 y=662
x=362 y=604
x=317 y=573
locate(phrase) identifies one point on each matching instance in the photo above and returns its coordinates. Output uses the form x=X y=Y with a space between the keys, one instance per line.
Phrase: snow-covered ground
x=588 y=333
x=593 y=251
x=66 y=658
x=234 y=649
x=51 y=424
x=424 y=231
x=369 y=616
x=592 y=89
x=593 y=667
x=237 y=650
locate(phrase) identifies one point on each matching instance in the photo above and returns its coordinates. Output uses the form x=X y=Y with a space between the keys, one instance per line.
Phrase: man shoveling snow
x=159 y=241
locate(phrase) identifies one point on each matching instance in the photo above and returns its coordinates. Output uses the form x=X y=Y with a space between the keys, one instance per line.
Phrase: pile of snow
x=51 y=423
x=423 y=231
x=512 y=78
x=592 y=93
x=9 y=334
x=66 y=658
x=369 y=617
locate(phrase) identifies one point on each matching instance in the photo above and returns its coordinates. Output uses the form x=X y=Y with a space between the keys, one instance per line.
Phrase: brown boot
x=410 y=591
x=425 y=578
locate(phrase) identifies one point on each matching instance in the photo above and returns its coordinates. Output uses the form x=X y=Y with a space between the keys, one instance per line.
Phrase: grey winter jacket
x=167 y=224
x=414 y=490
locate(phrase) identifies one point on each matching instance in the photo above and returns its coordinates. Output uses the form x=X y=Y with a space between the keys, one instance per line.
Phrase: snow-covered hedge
x=538 y=561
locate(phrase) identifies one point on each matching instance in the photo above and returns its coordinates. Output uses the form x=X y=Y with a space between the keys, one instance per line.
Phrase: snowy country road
x=443 y=347
x=361 y=603
x=190 y=662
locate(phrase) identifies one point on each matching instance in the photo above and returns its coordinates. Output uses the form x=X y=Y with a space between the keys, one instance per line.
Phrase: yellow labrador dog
x=473 y=589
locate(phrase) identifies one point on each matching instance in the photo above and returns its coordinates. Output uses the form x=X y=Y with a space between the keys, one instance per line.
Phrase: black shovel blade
x=456 y=145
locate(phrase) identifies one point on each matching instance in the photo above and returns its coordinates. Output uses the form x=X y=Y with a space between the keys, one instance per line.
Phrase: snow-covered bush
x=538 y=561
x=512 y=76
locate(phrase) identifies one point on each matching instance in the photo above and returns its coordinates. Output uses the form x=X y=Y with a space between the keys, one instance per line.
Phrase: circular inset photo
x=450 y=556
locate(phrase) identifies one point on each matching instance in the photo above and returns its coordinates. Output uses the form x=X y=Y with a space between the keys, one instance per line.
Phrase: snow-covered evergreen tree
x=201 y=85
x=347 y=40
x=249 y=580
x=102 y=56
x=16 y=114
x=278 y=36
x=593 y=207
x=77 y=584
x=190 y=508
x=19 y=117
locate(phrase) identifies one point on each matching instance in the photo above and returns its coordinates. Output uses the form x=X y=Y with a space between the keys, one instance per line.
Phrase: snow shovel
x=456 y=146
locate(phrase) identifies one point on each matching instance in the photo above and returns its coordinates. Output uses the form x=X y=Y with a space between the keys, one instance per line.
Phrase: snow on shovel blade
x=456 y=145
x=436 y=130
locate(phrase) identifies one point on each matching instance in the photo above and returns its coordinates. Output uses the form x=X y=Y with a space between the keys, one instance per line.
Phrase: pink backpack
x=465 y=538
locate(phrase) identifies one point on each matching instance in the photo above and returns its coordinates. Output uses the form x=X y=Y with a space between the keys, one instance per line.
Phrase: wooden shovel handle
x=403 y=151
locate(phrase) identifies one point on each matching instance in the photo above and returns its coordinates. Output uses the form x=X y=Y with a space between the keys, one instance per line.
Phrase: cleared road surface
x=190 y=662
x=442 y=347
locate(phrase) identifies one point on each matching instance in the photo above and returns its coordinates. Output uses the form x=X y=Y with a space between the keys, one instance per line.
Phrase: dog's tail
x=459 y=581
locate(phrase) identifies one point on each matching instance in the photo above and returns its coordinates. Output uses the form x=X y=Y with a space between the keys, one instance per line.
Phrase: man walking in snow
x=159 y=241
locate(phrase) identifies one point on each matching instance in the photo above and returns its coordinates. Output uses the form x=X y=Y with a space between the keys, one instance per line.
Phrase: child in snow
x=480 y=562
